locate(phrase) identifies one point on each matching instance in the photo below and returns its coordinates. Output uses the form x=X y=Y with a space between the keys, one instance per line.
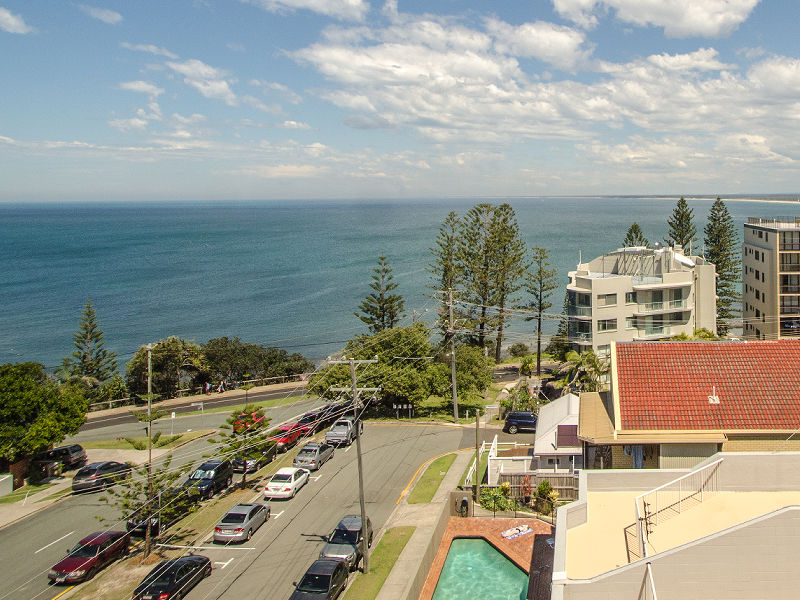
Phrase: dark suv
x=211 y=477
x=345 y=541
x=520 y=421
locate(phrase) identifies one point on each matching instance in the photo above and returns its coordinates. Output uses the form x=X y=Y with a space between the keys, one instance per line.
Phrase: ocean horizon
x=275 y=272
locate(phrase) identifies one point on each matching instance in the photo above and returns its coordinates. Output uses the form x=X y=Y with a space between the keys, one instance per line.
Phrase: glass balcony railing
x=655 y=331
x=579 y=311
x=668 y=305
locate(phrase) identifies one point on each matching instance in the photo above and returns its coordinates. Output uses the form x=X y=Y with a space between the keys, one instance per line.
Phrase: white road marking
x=276 y=515
x=316 y=477
x=223 y=564
x=204 y=547
x=55 y=542
x=348 y=448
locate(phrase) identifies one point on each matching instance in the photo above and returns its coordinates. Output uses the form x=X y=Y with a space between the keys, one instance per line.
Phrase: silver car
x=240 y=522
x=313 y=455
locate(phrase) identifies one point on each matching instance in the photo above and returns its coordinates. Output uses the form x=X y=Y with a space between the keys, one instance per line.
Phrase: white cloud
x=679 y=18
x=128 y=124
x=277 y=87
x=209 y=81
x=259 y=105
x=191 y=119
x=560 y=46
x=294 y=125
x=345 y=10
x=284 y=171
x=12 y=23
x=101 y=14
x=142 y=87
x=149 y=48
x=704 y=59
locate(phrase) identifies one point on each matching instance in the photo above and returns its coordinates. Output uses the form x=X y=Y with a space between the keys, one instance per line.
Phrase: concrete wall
x=757 y=559
x=415 y=589
x=761 y=443
x=684 y=456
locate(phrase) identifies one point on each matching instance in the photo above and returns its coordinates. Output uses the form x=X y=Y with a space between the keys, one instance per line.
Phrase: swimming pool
x=475 y=570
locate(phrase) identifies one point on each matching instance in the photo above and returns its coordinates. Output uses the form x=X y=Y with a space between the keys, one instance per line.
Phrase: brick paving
x=519 y=550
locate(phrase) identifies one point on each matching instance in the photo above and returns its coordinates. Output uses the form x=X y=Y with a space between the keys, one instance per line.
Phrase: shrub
x=518 y=350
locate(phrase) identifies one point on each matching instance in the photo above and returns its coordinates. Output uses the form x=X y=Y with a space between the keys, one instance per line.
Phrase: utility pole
x=451 y=333
x=355 y=389
x=147 y=540
x=477 y=455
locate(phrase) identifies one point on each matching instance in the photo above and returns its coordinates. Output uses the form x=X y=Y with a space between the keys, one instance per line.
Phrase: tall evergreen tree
x=509 y=266
x=382 y=309
x=446 y=268
x=635 y=237
x=682 y=230
x=475 y=253
x=541 y=282
x=89 y=361
x=722 y=244
x=559 y=343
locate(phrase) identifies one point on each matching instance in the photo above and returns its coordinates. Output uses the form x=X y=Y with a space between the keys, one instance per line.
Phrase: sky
x=284 y=99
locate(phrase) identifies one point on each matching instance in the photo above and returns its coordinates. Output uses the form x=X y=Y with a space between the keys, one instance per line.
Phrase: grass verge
x=123 y=444
x=20 y=493
x=57 y=495
x=367 y=585
x=431 y=479
x=263 y=404
x=481 y=468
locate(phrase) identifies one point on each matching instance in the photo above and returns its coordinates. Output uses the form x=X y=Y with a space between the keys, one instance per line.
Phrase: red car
x=286 y=435
x=90 y=555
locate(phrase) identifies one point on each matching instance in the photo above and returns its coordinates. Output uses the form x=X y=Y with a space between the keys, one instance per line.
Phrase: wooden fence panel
x=566 y=484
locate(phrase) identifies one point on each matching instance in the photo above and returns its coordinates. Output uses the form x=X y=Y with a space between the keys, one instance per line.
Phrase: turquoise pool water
x=474 y=570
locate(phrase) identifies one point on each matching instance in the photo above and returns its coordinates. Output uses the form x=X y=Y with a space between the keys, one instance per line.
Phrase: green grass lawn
x=431 y=479
x=263 y=404
x=166 y=441
x=367 y=585
x=481 y=468
x=20 y=493
x=57 y=495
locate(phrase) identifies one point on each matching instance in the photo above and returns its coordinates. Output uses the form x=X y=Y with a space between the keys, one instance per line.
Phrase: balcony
x=790 y=289
x=654 y=307
x=579 y=311
x=654 y=332
x=580 y=337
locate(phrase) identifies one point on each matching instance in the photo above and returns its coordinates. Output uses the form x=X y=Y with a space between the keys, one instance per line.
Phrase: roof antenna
x=713 y=398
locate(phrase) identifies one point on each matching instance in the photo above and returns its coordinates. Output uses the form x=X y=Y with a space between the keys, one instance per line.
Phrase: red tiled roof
x=666 y=385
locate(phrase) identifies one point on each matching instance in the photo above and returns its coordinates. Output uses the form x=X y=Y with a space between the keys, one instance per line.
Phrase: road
x=209 y=401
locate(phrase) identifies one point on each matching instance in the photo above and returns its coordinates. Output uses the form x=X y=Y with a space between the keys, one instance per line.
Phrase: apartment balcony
x=581 y=338
x=654 y=332
x=789 y=268
x=580 y=312
x=647 y=308
x=790 y=289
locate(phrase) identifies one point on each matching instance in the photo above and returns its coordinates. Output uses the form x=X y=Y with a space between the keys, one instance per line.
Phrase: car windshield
x=307 y=453
x=278 y=477
x=234 y=518
x=201 y=474
x=86 y=472
x=339 y=428
x=314 y=584
x=344 y=536
x=83 y=551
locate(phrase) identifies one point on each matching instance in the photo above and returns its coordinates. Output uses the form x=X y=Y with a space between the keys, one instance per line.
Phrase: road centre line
x=55 y=542
x=175 y=546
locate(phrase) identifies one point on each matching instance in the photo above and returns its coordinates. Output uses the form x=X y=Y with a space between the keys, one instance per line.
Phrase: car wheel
x=90 y=573
x=249 y=534
x=512 y=429
x=369 y=541
x=207 y=572
x=230 y=481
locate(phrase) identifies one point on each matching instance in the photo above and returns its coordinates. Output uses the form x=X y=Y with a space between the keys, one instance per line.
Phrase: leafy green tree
x=446 y=269
x=583 y=372
x=518 y=350
x=90 y=361
x=381 y=309
x=682 y=230
x=635 y=237
x=541 y=282
x=166 y=505
x=722 y=244
x=473 y=372
x=277 y=362
x=509 y=266
x=173 y=360
x=35 y=412
x=113 y=389
x=245 y=435
x=495 y=499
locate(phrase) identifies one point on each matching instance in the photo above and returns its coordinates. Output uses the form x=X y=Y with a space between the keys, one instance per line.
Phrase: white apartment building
x=639 y=293
x=771 y=278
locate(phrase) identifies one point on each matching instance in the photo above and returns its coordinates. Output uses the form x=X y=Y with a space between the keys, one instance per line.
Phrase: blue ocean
x=278 y=273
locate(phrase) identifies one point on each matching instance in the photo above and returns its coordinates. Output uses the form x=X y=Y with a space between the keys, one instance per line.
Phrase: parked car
x=342 y=432
x=324 y=579
x=99 y=476
x=254 y=464
x=286 y=435
x=311 y=421
x=70 y=457
x=240 y=522
x=90 y=555
x=211 y=477
x=173 y=578
x=286 y=482
x=352 y=419
x=313 y=455
x=345 y=541
x=520 y=421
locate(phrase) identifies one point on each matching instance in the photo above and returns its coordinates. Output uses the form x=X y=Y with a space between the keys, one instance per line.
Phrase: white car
x=286 y=482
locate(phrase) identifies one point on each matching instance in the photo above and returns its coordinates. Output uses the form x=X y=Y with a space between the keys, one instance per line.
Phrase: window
x=551 y=461
x=766 y=236
x=758 y=313
x=761 y=235
x=630 y=297
x=606 y=299
x=604 y=350
x=758 y=295
x=630 y=322
x=763 y=279
x=607 y=325
x=756 y=254
x=758 y=275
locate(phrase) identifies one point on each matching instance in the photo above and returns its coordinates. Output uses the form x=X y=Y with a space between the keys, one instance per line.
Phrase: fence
x=669 y=500
x=566 y=485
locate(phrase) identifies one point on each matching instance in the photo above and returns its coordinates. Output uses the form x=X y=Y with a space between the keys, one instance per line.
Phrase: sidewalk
x=15 y=511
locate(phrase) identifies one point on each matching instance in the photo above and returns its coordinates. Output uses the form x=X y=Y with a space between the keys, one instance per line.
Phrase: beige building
x=771 y=278
x=639 y=293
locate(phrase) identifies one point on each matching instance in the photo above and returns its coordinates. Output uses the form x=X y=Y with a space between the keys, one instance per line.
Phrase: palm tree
x=583 y=371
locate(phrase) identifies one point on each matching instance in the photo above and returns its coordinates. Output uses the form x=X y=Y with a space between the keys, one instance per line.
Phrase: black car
x=100 y=475
x=252 y=464
x=520 y=421
x=345 y=543
x=324 y=580
x=173 y=578
x=70 y=457
x=210 y=477
x=313 y=420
